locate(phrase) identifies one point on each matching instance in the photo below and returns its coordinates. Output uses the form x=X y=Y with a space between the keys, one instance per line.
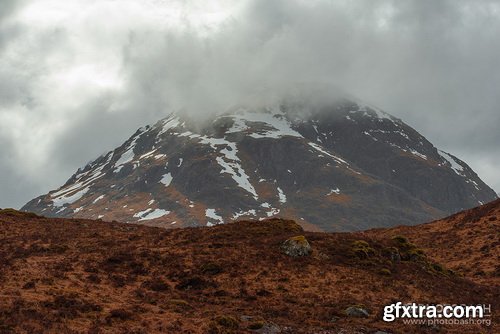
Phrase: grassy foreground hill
x=84 y=276
x=467 y=242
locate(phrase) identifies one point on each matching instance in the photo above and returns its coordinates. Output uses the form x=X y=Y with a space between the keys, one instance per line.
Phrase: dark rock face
x=388 y=148
x=339 y=167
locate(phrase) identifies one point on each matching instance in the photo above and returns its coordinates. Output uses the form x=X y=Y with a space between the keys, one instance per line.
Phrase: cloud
x=7 y=7
x=78 y=77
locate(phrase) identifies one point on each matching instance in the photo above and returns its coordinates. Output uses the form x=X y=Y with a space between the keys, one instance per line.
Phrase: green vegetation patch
x=361 y=249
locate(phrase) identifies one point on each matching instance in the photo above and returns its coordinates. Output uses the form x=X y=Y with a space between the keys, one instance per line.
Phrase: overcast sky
x=78 y=77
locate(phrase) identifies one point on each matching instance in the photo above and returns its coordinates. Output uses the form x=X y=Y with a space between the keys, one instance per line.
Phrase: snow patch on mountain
x=322 y=150
x=418 y=154
x=167 y=179
x=452 y=162
x=239 y=125
x=159 y=156
x=211 y=214
x=244 y=213
x=230 y=162
x=97 y=199
x=334 y=191
x=281 y=195
x=169 y=123
x=273 y=212
x=371 y=111
x=279 y=126
x=147 y=155
x=91 y=176
x=62 y=200
x=140 y=214
x=369 y=135
x=150 y=213
x=157 y=213
x=62 y=196
x=129 y=154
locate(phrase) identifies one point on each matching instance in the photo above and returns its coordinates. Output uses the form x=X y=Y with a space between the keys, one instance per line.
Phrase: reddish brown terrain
x=84 y=276
x=467 y=242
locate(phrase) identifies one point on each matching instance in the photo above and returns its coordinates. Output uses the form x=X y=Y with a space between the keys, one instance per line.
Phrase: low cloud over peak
x=77 y=77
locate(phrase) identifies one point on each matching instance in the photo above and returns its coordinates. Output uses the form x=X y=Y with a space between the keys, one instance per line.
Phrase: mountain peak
x=336 y=165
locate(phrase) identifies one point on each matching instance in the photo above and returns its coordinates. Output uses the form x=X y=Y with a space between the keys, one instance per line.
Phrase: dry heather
x=82 y=276
x=467 y=242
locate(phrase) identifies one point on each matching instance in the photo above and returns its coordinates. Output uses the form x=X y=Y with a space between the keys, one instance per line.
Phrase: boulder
x=296 y=246
x=356 y=312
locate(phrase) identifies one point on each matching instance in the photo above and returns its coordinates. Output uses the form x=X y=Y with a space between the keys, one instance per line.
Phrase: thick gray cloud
x=77 y=77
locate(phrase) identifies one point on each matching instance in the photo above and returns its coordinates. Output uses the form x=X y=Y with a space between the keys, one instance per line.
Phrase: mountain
x=83 y=276
x=333 y=166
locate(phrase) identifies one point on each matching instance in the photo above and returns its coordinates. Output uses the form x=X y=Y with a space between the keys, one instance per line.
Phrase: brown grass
x=82 y=276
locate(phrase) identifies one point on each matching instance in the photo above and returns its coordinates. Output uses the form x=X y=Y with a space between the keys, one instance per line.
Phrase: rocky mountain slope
x=332 y=167
x=83 y=276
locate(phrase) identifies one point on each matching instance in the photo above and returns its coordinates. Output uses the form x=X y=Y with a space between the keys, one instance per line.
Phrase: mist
x=78 y=77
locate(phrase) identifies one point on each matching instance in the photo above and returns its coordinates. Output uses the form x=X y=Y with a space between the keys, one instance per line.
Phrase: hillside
x=467 y=242
x=84 y=276
x=342 y=166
